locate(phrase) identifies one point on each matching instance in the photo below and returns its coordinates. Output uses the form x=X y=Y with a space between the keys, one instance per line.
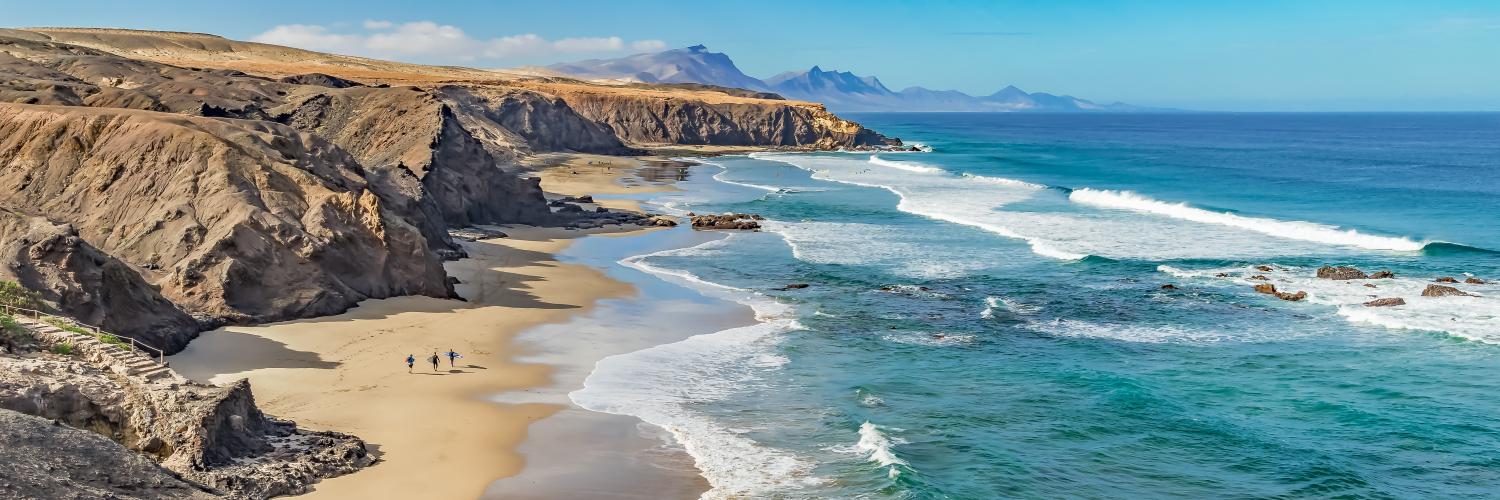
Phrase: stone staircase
x=120 y=359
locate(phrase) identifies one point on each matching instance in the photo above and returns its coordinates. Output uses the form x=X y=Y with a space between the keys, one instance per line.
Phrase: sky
x=1246 y=55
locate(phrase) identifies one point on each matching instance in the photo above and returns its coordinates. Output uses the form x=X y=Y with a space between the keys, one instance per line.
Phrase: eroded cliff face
x=658 y=118
x=308 y=187
x=241 y=220
x=83 y=282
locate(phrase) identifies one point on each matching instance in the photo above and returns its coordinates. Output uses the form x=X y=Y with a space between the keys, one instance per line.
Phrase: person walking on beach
x=434 y=360
x=411 y=361
x=452 y=356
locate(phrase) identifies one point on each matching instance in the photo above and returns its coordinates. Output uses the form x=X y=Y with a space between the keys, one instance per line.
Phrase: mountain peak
x=698 y=49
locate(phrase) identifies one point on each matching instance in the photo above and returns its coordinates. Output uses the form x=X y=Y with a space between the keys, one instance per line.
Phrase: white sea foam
x=1296 y=230
x=1071 y=234
x=897 y=250
x=1002 y=181
x=993 y=303
x=1128 y=332
x=661 y=385
x=877 y=448
x=909 y=166
x=990 y=303
x=1475 y=318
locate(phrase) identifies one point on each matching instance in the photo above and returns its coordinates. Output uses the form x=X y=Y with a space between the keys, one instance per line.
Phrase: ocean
x=988 y=318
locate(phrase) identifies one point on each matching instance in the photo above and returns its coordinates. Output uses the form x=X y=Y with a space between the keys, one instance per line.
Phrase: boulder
x=794 y=286
x=1386 y=302
x=1263 y=268
x=1341 y=273
x=1475 y=281
x=1446 y=279
x=1169 y=286
x=1260 y=277
x=1443 y=291
x=1382 y=274
x=1266 y=288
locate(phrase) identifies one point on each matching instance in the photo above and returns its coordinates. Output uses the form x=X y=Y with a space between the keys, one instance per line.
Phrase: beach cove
x=451 y=432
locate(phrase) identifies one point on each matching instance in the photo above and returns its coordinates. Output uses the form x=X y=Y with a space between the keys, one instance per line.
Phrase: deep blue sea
x=988 y=319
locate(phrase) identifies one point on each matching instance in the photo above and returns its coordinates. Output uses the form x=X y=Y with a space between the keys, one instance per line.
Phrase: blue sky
x=1230 y=55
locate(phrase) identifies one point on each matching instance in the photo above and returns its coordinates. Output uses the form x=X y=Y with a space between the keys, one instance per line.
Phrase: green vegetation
x=14 y=295
x=111 y=339
x=64 y=349
x=69 y=326
x=12 y=334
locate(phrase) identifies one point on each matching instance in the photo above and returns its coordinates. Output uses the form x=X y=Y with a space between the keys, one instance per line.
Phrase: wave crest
x=1296 y=230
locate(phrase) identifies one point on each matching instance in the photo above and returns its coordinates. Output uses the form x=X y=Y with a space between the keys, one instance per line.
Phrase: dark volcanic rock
x=320 y=80
x=1443 y=291
x=1386 y=302
x=1341 y=273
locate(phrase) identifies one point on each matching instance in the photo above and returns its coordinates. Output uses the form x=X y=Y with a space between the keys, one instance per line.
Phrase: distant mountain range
x=838 y=90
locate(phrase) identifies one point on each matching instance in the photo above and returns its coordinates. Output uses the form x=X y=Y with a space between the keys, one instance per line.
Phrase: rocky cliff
x=39 y=458
x=318 y=181
x=85 y=283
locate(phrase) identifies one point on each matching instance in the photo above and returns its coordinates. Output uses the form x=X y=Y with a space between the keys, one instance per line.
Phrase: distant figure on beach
x=434 y=360
x=452 y=356
x=411 y=361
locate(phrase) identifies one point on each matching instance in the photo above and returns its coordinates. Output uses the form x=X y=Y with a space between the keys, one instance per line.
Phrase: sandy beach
x=438 y=433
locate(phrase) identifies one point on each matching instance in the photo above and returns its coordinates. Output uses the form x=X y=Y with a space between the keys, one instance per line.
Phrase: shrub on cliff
x=12 y=334
x=14 y=295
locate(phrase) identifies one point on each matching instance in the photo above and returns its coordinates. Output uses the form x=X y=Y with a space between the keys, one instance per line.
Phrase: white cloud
x=648 y=45
x=430 y=41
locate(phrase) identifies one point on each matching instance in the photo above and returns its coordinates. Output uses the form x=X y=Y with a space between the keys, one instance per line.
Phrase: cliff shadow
x=228 y=352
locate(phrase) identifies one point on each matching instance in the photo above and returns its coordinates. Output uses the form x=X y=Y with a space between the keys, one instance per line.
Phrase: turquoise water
x=987 y=319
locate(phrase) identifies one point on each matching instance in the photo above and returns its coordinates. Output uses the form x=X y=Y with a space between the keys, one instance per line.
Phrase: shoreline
x=454 y=428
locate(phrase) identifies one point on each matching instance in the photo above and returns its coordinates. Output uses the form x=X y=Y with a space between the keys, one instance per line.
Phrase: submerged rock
x=1446 y=279
x=794 y=286
x=1263 y=268
x=1386 y=302
x=1341 y=273
x=1444 y=291
x=1169 y=286
x=1382 y=274
x=1475 y=281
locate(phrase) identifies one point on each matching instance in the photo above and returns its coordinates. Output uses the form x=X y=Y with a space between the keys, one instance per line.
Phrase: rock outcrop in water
x=1386 y=302
x=1443 y=291
x=747 y=222
x=1341 y=273
x=1270 y=289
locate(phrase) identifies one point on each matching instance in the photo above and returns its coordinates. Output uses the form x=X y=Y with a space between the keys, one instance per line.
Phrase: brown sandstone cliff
x=237 y=219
